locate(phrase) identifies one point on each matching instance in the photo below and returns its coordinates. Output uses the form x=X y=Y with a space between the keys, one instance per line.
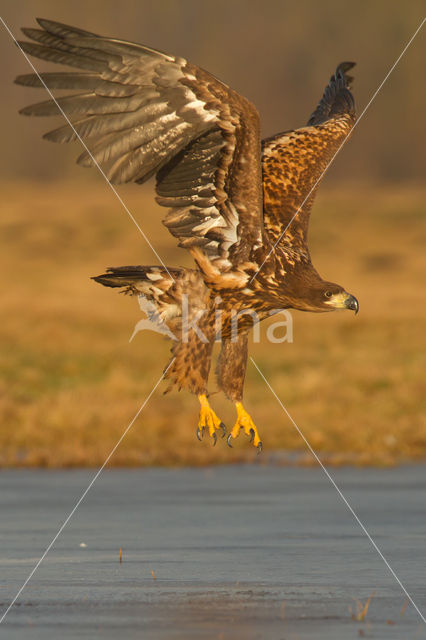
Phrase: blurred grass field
x=71 y=381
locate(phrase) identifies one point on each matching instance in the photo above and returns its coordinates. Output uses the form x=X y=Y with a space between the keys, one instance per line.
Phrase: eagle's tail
x=139 y=279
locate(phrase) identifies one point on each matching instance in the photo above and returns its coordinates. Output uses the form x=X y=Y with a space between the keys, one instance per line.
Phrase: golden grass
x=361 y=610
x=71 y=382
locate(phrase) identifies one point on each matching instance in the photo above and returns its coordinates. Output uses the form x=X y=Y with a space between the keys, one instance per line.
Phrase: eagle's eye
x=328 y=294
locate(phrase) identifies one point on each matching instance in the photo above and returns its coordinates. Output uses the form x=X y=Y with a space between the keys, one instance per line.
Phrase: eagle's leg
x=208 y=420
x=190 y=368
x=231 y=370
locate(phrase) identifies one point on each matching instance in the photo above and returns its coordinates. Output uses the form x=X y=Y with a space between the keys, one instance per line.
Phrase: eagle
x=240 y=205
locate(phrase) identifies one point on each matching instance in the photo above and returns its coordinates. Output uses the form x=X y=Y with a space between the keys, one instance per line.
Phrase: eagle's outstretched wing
x=142 y=112
x=294 y=161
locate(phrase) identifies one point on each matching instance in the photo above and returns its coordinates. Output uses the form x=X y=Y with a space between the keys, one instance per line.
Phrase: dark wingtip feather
x=341 y=70
x=337 y=98
x=27 y=80
x=43 y=22
x=345 y=66
x=110 y=280
x=21 y=44
x=27 y=31
x=61 y=29
x=105 y=279
x=30 y=110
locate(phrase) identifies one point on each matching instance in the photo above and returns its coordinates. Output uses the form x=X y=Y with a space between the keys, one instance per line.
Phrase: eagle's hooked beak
x=343 y=300
x=352 y=303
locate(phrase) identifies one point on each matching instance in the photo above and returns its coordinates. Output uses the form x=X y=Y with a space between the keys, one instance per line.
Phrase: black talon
x=222 y=426
x=252 y=434
x=228 y=441
x=214 y=439
x=200 y=433
x=259 y=448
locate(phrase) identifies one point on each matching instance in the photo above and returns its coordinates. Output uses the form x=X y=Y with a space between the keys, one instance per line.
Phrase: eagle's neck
x=285 y=276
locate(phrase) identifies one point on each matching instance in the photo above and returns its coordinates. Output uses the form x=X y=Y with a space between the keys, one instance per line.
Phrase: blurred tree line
x=278 y=53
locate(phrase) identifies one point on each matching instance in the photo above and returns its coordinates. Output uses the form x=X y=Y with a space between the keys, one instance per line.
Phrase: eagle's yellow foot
x=208 y=420
x=245 y=422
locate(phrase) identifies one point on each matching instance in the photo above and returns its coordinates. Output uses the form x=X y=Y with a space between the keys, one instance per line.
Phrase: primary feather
x=145 y=112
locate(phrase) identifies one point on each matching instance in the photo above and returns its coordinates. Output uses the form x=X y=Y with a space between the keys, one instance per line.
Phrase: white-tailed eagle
x=239 y=205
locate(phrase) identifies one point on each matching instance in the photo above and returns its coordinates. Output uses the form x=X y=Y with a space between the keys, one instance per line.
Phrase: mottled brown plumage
x=241 y=207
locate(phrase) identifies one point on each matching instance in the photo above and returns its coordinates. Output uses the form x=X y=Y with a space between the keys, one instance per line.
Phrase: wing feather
x=77 y=80
x=294 y=162
x=144 y=113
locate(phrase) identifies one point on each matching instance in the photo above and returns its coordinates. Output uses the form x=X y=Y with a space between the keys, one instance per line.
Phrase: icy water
x=239 y=552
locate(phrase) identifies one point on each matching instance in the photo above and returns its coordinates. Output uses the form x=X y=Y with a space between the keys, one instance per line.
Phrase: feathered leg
x=190 y=369
x=231 y=371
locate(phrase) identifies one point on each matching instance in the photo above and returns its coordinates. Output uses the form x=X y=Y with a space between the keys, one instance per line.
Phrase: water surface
x=241 y=552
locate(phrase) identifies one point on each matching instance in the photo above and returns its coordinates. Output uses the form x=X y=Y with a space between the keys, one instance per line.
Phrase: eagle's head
x=327 y=296
x=316 y=295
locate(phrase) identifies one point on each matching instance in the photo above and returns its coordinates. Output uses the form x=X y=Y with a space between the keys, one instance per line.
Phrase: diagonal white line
x=343 y=143
x=86 y=491
x=113 y=189
x=342 y=496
